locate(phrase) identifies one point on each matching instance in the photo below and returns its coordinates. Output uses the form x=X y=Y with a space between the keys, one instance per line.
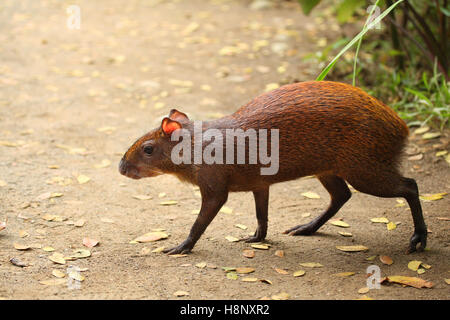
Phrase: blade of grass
x=360 y=41
x=327 y=69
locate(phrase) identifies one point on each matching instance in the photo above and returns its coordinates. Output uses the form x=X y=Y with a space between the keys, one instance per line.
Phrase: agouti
x=331 y=130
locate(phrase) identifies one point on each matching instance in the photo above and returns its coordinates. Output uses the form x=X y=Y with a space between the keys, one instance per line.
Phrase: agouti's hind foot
x=417 y=237
x=184 y=247
x=302 y=229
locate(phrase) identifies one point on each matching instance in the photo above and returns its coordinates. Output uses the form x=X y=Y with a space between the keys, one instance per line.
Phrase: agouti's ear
x=168 y=126
x=178 y=116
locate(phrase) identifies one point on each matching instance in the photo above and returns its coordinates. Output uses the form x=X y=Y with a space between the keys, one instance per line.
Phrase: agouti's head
x=150 y=155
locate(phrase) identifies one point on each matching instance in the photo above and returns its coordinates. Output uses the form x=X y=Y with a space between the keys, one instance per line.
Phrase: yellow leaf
x=431 y=135
x=241 y=226
x=76 y=275
x=271 y=86
x=352 y=248
x=48 y=249
x=311 y=265
x=281 y=271
x=21 y=246
x=363 y=290
x=281 y=296
x=57 y=258
x=339 y=223
x=260 y=246
x=152 y=236
x=433 y=197
x=410 y=281
x=380 y=220
x=142 y=197
x=249 y=279
x=279 y=253
x=201 y=265
x=311 y=195
x=57 y=273
x=414 y=265
x=83 y=179
x=299 y=273
x=245 y=270
x=227 y=210
x=391 y=226
x=231 y=238
x=344 y=274
x=53 y=282
x=168 y=203
x=345 y=234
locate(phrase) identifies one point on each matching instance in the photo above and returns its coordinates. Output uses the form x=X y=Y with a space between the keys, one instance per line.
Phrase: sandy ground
x=72 y=101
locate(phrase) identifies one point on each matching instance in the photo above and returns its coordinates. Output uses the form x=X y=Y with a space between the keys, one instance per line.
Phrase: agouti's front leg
x=262 y=207
x=212 y=201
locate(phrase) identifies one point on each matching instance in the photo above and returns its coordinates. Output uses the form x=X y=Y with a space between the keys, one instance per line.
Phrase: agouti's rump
x=331 y=130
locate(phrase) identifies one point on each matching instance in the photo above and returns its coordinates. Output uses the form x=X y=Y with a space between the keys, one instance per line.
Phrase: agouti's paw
x=257 y=237
x=417 y=237
x=303 y=230
x=184 y=247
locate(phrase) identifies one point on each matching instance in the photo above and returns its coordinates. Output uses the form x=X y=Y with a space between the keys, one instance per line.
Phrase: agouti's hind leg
x=392 y=185
x=339 y=193
x=262 y=207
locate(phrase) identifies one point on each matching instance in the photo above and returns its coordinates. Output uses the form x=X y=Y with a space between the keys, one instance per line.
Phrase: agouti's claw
x=184 y=247
x=417 y=237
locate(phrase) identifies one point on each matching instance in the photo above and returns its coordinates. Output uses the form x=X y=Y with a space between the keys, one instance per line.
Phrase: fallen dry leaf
x=432 y=197
x=2 y=225
x=152 y=236
x=245 y=270
x=345 y=234
x=232 y=239
x=409 y=281
x=260 y=246
x=391 y=226
x=310 y=195
x=82 y=179
x=386 y=260
x=89 y=242
x=344 y=274
x=248 y=253
x=168 y=203
x=280 y=296
x=380 y=220
x=311 y=264
x=53 y=282
x=279 y=253
x=142 y=197
x=57 y=273
x=241 y=226
x=339 y=223
x=249 y=279
x=299 y=273
x=21 y=246
x=232 y=275
x=352 y=248
x=281 y=271
x=363 y=290
x=226 y=210
x=414 y=265
x=57 y=258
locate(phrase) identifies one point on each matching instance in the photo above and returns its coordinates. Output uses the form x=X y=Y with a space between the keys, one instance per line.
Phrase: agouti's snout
x=128 y=170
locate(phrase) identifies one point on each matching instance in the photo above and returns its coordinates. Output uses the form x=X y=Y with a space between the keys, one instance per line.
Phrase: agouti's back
x=326 y=127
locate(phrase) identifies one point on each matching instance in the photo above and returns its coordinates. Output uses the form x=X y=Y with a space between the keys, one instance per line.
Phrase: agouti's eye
x=148 y=149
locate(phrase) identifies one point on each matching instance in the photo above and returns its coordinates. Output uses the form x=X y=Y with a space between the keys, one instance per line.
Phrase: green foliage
x=308 y=5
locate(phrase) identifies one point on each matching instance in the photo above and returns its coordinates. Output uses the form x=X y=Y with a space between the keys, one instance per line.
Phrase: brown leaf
x=248 y=253
x=279 y=253
x=281 y=271
x=386 y=260
x=89 y=242
x=245 y=270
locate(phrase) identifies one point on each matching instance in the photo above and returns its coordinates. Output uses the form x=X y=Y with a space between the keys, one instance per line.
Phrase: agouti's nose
x=123 y=166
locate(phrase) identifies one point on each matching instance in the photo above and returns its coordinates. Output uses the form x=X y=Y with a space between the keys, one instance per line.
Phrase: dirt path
x=72 y=101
